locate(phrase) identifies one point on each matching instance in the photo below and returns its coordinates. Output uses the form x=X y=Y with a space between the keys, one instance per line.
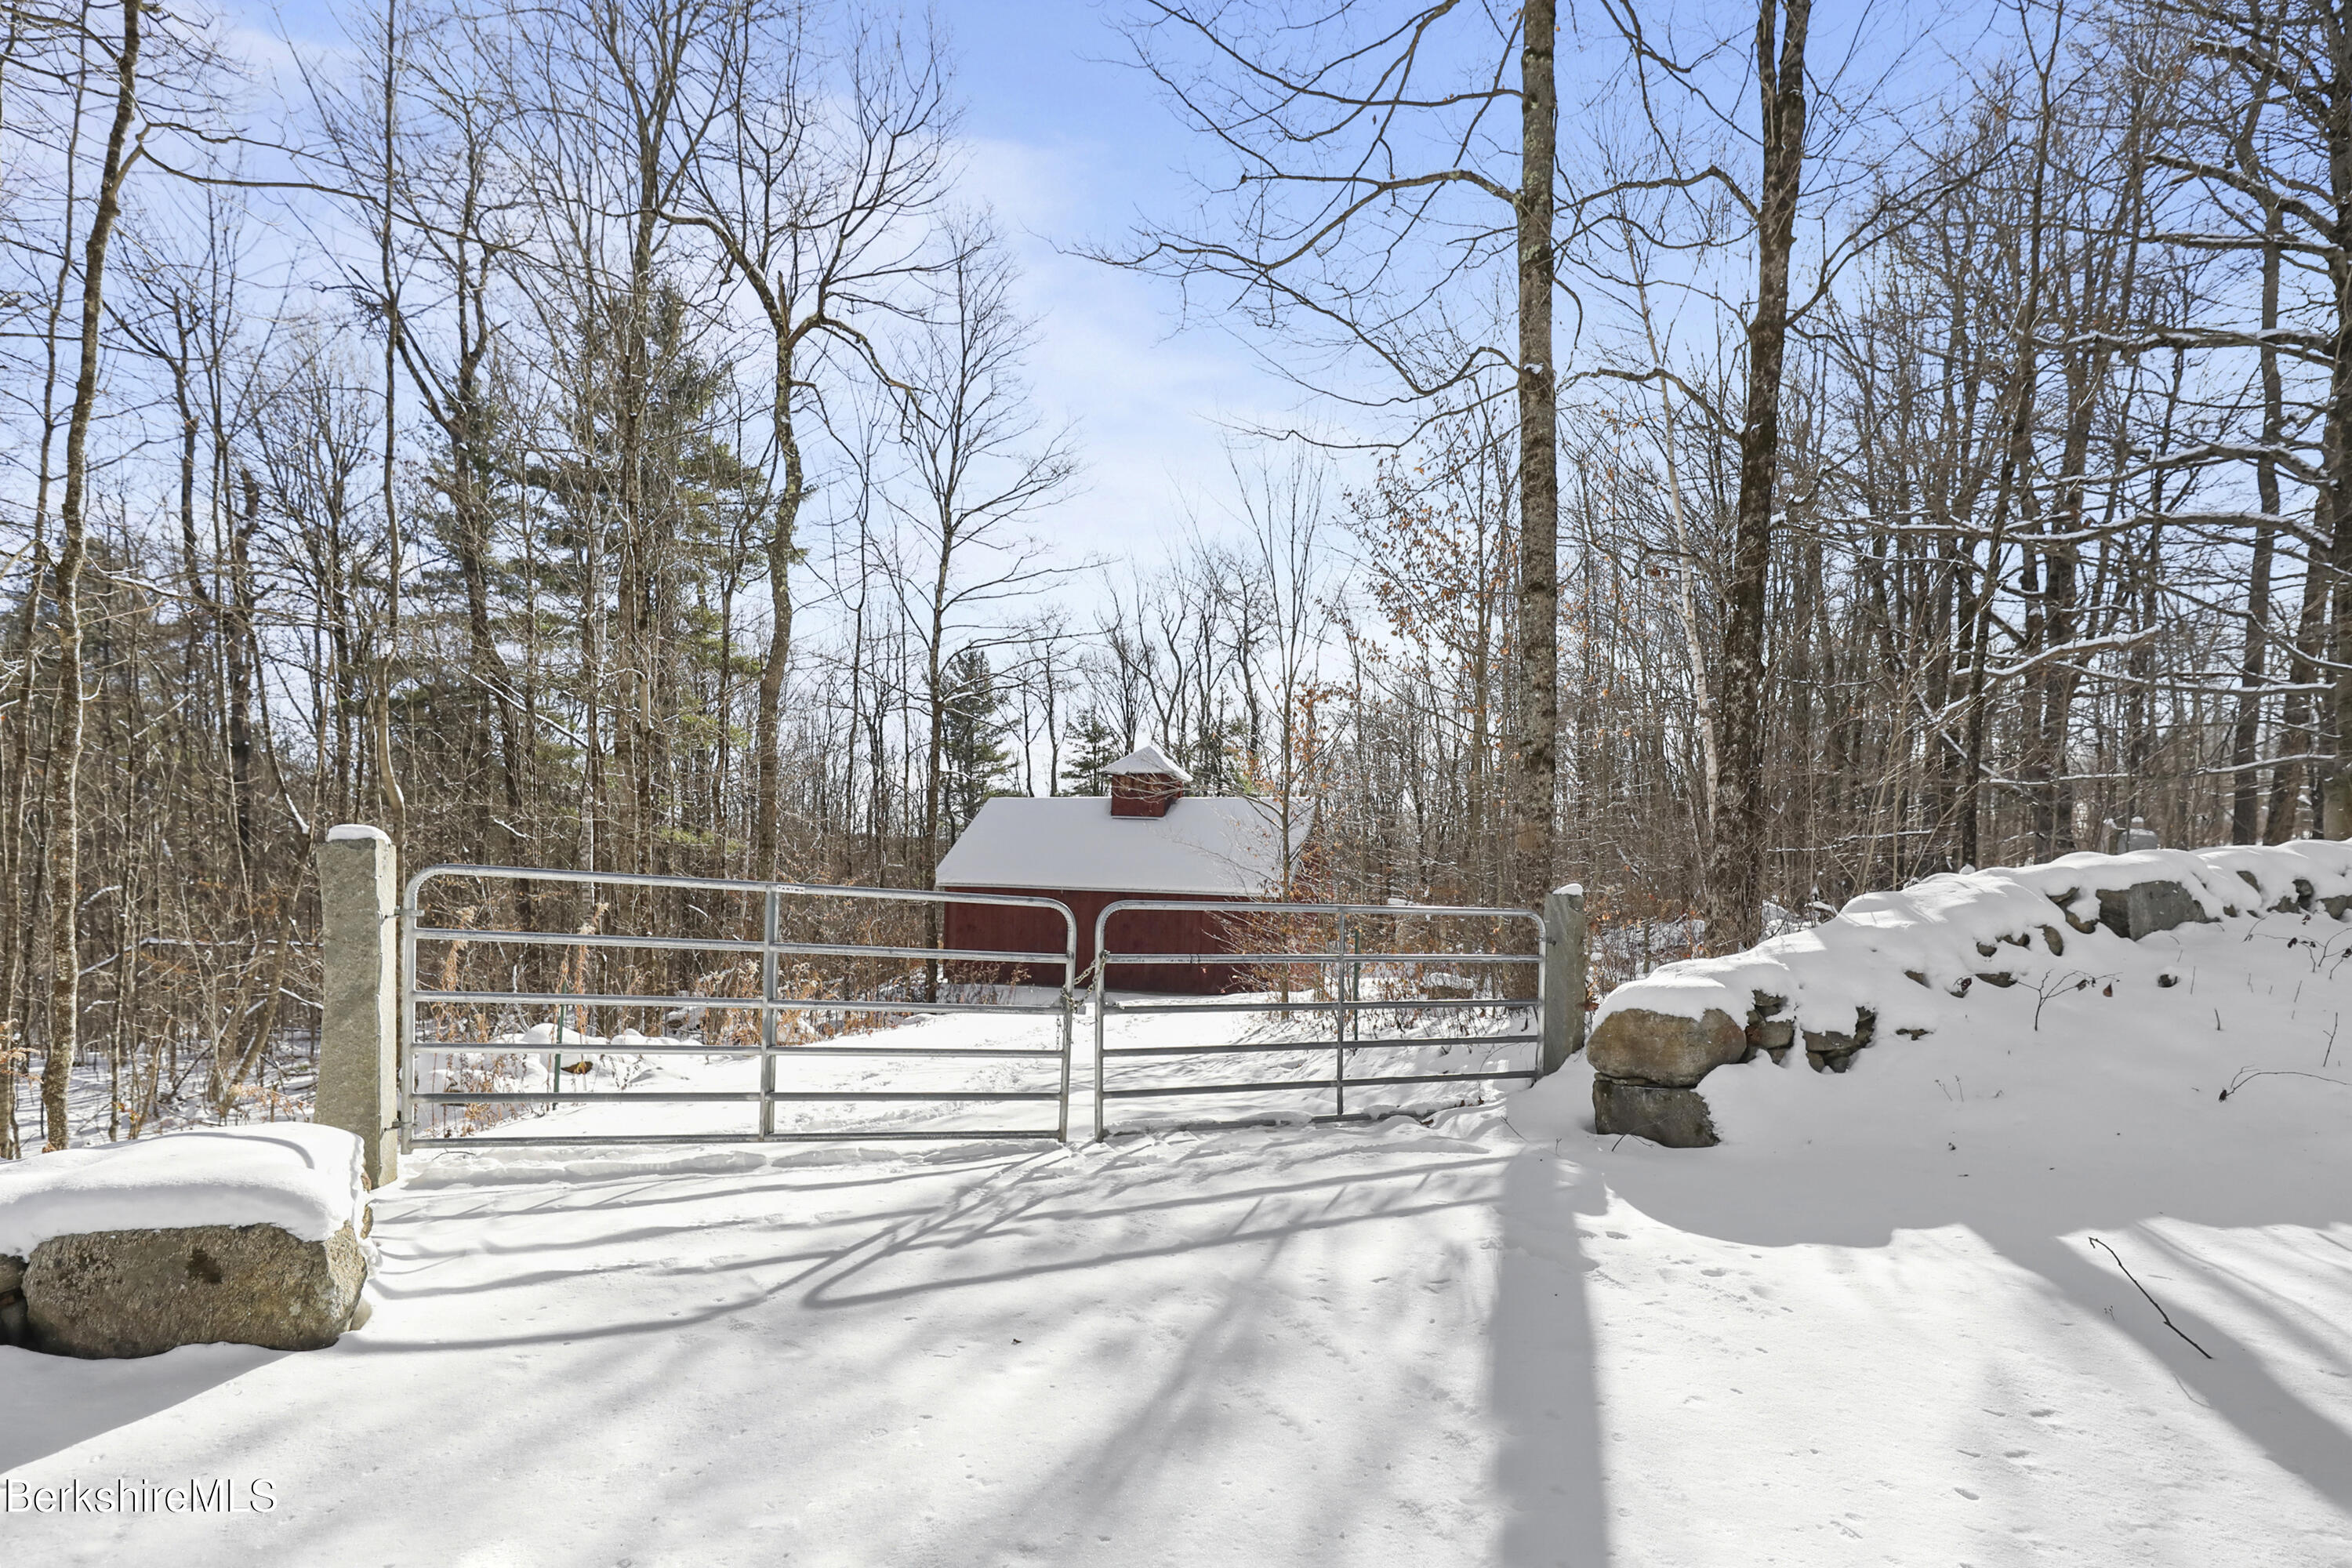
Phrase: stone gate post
x=1564 y=959
x=358 y=905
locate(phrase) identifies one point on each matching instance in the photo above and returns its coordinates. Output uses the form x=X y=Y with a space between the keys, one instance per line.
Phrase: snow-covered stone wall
x=1893 y=965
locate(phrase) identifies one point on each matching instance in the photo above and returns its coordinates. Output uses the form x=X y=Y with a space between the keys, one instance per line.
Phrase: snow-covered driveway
x=1313 y=1346
x=1275 y=1347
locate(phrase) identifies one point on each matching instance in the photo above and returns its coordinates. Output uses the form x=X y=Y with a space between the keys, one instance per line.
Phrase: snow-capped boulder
x=1636 y=1045
x=1675 y=1118
x=2144 y=908
x=246 y=1235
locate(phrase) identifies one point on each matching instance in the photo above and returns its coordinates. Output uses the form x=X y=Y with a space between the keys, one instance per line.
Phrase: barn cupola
x=1144 y=783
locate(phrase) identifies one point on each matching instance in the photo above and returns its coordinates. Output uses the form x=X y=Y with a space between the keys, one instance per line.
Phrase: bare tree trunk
x=2245 y=798
x=2334 y=502
x=395 y=804
x=66 y=744
x=782 y=550
x=1736 y=877
x=935 y=718
x=2295 y=739
x=240 y=654
x=2335 y=567
x=1535 y=785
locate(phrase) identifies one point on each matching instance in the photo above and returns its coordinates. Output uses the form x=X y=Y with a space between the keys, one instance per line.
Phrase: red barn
x=1147 y=839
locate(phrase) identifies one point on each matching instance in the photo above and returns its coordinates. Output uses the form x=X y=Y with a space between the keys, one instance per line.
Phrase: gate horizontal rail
x=664 y=1049
x=1266 y=1047
x=771 y=948
x=742 y=1004
x=724 y=945
x=1411 y=1003
x=1346 y=1005
x=1325 y=957
x=1317 y=1084
x=714 y=1097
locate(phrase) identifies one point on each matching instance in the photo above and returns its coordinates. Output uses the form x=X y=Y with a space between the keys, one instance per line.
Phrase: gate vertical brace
x=403 y=1044
x=1339 y=1048
x=1069 y=1007
x=1102 y=1112
x=771 y=930
x=1102 y=978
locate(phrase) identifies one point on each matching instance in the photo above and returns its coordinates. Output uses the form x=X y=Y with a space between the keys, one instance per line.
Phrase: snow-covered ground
x=99 y=1099
x=1000 y=1054
x=1872 y=1327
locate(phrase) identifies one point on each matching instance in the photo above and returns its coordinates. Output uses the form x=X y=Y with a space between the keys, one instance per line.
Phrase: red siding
x=1012 y=928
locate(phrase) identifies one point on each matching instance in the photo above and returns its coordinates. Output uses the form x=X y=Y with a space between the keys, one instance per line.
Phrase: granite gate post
x=1564 y=958
x=359 y=905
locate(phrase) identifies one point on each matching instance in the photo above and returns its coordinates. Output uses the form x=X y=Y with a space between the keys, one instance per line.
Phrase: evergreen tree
x=1095 y=744
x=972 y=758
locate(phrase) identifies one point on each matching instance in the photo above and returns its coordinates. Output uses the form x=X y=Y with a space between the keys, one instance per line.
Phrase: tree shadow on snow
x=1547 y=1398
x=56 y=1402
x=1539 y=1356
x=2035 y=1192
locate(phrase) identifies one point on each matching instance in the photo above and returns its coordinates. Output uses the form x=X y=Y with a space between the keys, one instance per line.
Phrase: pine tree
x=1095 y=744
x=972 y=753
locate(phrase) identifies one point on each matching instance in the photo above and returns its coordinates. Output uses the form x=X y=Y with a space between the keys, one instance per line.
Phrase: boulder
x=12 y=1300
x=2145 y=907
x=1770 y=1027
x=1659 y=1048
x=1677 y=1118
x=1773 y=1035
x=1830 y=1050
x=141 y=1292
x=1833 y=1050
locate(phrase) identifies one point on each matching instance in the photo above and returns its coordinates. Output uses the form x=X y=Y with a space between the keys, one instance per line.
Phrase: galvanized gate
x=1344 y=1002
x=458 y=1011
x=467 y=1023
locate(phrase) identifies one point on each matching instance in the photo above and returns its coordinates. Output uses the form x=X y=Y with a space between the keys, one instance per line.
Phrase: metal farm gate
x=498 y=1017
x=456 y=1011
x=1342 y=1000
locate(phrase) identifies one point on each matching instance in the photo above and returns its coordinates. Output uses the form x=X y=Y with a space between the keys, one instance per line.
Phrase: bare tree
x=120 y=158
x=979 y=465
x=1367 y=192
x=815 y=190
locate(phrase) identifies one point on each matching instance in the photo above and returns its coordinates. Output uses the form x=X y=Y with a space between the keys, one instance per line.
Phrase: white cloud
x=1154 y=405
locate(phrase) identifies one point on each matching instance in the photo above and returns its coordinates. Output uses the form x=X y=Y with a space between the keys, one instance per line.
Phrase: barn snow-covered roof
x=1206 y=846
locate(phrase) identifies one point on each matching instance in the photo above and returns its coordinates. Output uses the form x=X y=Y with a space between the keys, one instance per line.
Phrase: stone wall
x=1890 y=966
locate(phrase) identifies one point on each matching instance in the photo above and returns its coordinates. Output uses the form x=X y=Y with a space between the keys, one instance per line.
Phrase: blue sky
x=1069 y=143
x=1065 y=143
